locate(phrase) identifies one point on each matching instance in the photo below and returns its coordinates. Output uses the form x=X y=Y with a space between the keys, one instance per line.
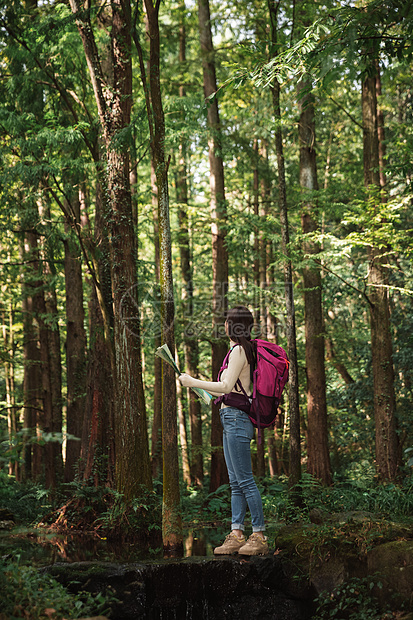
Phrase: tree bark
x=387 y=453
x=31 y=373
x=380 y=131
x=183 y=437
x=294 y=410
x=45 y=415
x=266 y=318
x=75 y=348
x=55 y=358
x=219 y=473
x=97 y=456
x=156 y=436
x=171 y=515
x=97 y=450
x=256 y=252
x=8 y=348
x=260 y=466
x=339 y=366
x=114 y=107
x=318 y=463
x=190 y=341
x=272 y=456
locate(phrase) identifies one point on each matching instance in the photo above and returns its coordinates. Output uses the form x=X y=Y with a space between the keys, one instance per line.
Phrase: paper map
x=164 y=353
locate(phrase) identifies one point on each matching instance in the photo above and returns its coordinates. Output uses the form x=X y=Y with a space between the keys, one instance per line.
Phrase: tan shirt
x=238 y=367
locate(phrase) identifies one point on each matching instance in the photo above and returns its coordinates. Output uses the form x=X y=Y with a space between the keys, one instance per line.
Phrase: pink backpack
x=268 y=380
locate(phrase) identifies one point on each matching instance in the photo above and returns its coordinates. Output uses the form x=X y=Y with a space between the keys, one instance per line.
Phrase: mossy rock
x=83 y=572
x=212 y=588
x=352 y=534
x=392 y=562
x=332 y=552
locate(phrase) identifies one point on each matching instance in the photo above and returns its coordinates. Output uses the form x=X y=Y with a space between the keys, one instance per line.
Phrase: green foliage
x=353 y=600
x=358 y=491
x=142 y=516
x=82 y=507
x=100 y=509
x=355 y=538
x=27 y=502
x=27 y=592
x=11 y=450
x=284 y=65
x=199 y=506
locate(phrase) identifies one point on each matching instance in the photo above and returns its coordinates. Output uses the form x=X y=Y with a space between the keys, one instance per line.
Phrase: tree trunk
x=266 y=318
x=256 y=252
x=97 y=457
x=183 y=437
x=190 y=340
x=272 y=456
x=171 y=516
x=45 y=416
x=339 y=366
x=31 y=373
x=55 y=358
x=114 y=107
x=97 y=450
x=156 y=436
x=8 y=348
x=318 y=463
x=219 y=473
x=387 y=454
x=75 y=348
x=261 y=467
x=294 y=410
x=260 y=456
x=380 y=131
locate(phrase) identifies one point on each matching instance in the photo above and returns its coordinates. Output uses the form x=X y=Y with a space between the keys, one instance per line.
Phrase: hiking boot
x=255 y=545
x=232 y=543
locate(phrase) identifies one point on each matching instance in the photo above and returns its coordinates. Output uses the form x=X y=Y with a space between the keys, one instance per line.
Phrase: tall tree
x=97 y=456
x=156 y=435
x=171 y=514
x=190 y=342
x=31 y=358
x=293 y=398
x=318 y=456
x=114 y=102
x=45 y=415
x=7 y=316
x=318 y=463
x=219 y=220
x=387 y=457
x=55 y=360
x=75 y=346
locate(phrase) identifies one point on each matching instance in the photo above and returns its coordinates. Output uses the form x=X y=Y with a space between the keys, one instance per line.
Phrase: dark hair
x=239 y=324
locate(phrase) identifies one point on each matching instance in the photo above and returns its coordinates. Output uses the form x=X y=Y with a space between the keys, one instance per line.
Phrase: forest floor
x=350 y=541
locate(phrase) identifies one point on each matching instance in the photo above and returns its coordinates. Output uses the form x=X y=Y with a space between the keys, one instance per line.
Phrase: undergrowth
x=386 y=501
x=83 y=506
x=28 y=593
x=352 y=600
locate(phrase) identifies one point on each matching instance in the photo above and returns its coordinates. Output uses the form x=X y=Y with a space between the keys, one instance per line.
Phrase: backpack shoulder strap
x=224 y=364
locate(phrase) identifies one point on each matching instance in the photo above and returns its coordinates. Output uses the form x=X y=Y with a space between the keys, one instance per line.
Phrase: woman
x=238 y=432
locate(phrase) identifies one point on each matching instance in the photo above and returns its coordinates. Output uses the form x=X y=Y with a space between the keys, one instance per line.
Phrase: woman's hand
x=186 y=380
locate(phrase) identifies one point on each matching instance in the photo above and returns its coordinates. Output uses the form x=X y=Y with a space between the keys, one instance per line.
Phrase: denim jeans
x=238 y=432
